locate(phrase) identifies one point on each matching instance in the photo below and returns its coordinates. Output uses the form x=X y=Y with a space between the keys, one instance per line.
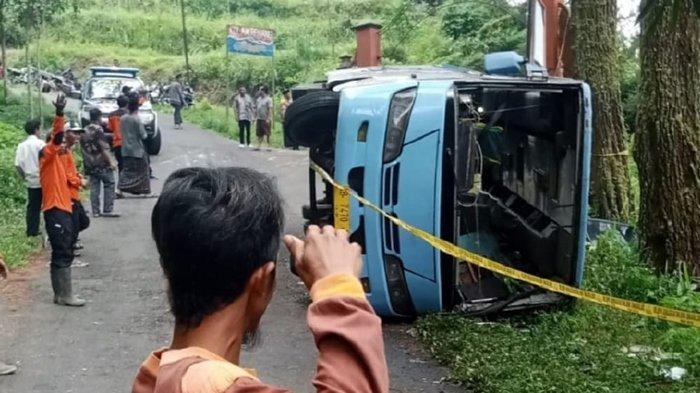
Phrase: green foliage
x=14 y=244
x=23 y=17
x=629 y=68
x=582 y=348
x=478 y=27
x=152 y=41
x=613 y=268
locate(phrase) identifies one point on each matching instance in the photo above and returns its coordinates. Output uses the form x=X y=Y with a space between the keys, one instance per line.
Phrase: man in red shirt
x=57 y=207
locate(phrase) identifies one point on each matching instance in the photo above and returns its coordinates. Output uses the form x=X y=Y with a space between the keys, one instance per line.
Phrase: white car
x=103 y=88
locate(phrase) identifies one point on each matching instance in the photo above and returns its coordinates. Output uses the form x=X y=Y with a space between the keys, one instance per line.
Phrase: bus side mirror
x=504 y=63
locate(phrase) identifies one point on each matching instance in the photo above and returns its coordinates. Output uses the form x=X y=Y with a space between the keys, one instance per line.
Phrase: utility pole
x=184 y=40
x=29 y=76
x=38 y=70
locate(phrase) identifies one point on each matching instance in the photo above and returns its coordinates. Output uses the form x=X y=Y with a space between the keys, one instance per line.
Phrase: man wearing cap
x=98 y=165
x=57 y=206
x=75 y=183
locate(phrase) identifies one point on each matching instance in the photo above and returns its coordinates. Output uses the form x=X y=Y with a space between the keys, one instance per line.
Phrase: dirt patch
x=15 y=291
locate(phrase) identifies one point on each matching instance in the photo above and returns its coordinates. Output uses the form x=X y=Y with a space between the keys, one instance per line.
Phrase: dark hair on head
x=213 y=228
x=285 y=91
x=31 y=126
x=122 y=101
x=133 y=101
x=178 y=76
x=263 y=89
x=95 y=115
x=126 y=89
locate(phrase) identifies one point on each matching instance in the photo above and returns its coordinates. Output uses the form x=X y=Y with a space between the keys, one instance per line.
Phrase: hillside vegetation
x=15 y=247
x=310 y=37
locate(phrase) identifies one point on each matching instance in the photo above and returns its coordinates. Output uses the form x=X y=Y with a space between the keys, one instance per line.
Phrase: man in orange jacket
x=218 y=232
x=57 y=207
x=114 y=121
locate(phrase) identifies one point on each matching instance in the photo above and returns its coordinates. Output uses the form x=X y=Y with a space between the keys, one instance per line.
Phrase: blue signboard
x=251 y=41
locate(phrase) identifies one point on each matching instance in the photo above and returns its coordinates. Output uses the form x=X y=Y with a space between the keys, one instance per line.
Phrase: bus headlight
x=399 y=113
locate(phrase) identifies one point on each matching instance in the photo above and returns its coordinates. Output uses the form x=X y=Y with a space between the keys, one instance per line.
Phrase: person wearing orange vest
x=58 y=207
x=114 y=122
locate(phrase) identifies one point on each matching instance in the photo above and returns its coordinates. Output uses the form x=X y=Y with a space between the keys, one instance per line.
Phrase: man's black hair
x=95 y=115
x=213 y=228
x=126 y=89
x=285 y=91
x=31 y=126
x=133 y=101
x=263 y=89
x=122 y=101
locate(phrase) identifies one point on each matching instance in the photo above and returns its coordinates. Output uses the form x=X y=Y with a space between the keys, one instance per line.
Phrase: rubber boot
x=7 y=369
x=55 y=284
x=63 y=288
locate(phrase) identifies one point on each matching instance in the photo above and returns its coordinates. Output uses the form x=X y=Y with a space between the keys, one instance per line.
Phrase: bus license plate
x=341 y=209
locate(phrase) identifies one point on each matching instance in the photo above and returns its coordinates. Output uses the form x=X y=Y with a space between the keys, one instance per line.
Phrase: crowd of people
x=110 y=151
x=258 y=111
x=218 y=232
x=115 y=162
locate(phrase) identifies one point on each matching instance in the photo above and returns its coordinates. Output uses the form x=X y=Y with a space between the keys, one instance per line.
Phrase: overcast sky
x=627 y=12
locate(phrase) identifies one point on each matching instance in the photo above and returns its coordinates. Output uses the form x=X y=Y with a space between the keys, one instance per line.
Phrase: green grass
x=15 y=247
x=580 y=347
x=213 y=117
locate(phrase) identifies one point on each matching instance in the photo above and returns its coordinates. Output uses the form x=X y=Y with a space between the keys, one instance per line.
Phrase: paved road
x=99 y=347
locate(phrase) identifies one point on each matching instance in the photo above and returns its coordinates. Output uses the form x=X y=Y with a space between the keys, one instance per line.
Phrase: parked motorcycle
x=155 y=93
x=188 y=93
x=66 y=83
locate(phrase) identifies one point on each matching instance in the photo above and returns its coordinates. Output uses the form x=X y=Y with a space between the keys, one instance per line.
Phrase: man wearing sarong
x=263 y=109
x=135 y=175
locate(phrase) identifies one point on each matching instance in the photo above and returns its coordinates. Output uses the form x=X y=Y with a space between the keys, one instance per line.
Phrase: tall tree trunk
x=667 y=148
x=29 y=78
x=3 y=42
x=596 y=50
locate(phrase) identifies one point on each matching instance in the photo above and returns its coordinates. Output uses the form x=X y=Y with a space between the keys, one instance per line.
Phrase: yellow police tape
x=649 y=310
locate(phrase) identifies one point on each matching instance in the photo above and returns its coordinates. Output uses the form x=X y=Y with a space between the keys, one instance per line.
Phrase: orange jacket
x=347 y=333
x=52 y=173
x=74 y=182
x=115 y=126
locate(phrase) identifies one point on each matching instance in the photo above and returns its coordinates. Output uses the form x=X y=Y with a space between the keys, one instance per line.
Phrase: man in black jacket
x=99 y=165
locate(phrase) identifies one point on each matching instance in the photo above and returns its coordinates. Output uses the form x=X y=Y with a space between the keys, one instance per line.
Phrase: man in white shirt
x=244 y=107
x=27 y=164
